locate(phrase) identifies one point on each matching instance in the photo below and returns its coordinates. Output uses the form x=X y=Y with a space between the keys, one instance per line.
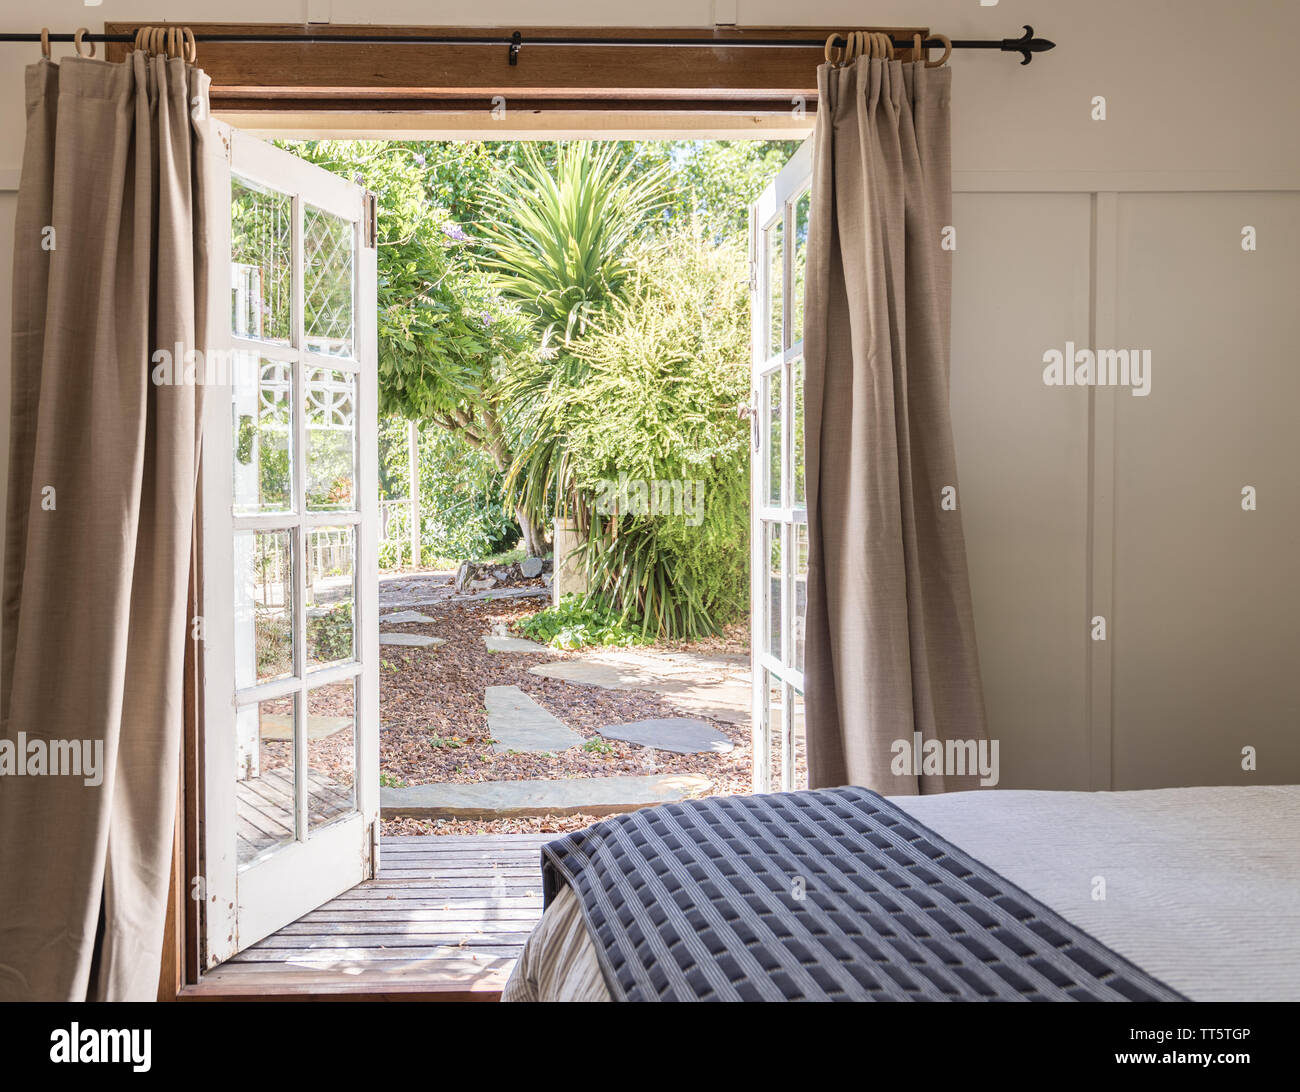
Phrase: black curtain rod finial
x=1027 y=45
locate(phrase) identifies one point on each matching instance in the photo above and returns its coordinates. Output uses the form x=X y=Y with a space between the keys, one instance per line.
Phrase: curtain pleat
x=890 y=646
x=109 y=268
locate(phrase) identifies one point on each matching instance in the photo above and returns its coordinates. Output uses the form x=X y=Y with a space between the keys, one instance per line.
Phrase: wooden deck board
x=445 y=918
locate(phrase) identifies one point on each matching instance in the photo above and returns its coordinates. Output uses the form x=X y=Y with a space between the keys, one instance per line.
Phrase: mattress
x=1196 y=886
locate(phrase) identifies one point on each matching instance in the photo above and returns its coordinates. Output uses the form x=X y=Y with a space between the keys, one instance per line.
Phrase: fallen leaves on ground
x=434 y=722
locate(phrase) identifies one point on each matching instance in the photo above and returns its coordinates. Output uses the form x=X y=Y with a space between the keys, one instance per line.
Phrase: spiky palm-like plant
x=560 y=244
x=561 y=250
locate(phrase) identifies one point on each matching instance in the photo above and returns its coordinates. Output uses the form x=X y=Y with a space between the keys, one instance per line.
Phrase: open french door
x=778 y=522
x=290 y=650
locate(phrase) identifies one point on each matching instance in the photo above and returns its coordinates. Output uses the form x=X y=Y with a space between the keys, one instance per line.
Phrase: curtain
x=890 y=645
x=110 y=268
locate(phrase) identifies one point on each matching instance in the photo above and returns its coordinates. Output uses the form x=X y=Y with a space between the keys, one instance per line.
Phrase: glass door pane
x=779 y=533
x=295 y=447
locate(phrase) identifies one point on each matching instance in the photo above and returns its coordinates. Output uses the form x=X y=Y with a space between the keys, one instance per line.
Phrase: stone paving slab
x=681 y=735
x=496 y=643
x=409 y=640
x=727 y=700
x=517 y=723
x=403 y=616
x=509 y=799
x=591 y=673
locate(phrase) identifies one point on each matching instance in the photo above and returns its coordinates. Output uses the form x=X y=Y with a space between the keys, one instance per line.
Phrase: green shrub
x=576 y=623
x=462 y=514
x=666 y=372
x=329 y=635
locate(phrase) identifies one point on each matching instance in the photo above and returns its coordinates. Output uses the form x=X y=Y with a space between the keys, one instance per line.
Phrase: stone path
x=509 y=799
x=677 y=734
x=714 y=687
x=496 y=643
x=431 y=589
x=402 y=617
x=517 y=723
x=409 y=640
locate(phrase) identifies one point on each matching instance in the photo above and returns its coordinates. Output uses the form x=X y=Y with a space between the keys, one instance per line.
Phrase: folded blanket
x=833 y=894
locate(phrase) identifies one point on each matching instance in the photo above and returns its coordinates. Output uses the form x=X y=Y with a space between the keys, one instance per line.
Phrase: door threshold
x=307 y=985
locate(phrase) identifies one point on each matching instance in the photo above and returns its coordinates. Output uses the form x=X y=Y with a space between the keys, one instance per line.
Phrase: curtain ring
x=76 y=40
x=832 y=51
x=191 y=46
x=175 y=42
x=45 y=42
x=947 y=51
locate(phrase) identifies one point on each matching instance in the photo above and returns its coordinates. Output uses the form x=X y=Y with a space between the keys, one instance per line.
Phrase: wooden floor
x=445 y=918
x=264 y=808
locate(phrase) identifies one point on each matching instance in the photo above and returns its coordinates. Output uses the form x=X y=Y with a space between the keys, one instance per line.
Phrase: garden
x=563 y=348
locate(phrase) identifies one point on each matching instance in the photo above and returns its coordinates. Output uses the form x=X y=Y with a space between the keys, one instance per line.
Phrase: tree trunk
x=533 y=538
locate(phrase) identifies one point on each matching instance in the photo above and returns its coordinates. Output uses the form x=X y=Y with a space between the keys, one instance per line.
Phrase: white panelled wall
x=1083 y=503
x=1122 y=233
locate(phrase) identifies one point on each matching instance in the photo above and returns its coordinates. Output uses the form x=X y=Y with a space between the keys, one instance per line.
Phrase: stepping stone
x=590 y=673
x=677 y=734
x=280 y=725
x=497 y=643
x=517 y=723
x=410 y=640
x=508 y=799
x=404 y=616
x=710 y=697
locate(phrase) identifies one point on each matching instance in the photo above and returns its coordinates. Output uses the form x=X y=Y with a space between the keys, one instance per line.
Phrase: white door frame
x=778 y=514
x=243 y=905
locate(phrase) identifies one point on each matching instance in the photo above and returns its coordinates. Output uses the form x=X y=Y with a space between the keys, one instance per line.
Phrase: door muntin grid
x=780 y=514
x=294 y=290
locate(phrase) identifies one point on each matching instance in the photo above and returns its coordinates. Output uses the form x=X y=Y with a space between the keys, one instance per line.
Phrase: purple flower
x=454 y=231
x=487 y=318
x=419 y=160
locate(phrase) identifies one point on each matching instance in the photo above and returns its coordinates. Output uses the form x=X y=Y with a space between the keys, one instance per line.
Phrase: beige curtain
x=890 y=634
x=109 y=267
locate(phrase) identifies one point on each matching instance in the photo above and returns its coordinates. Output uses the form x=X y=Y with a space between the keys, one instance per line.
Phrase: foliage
x=463 y=513
x=505 y=275
x=329 y=634
x=559 y=246
x=442 y=325
x=562 y=250
x=715 y=181
x=445 y=333
x=666 y=370
x=578 y=624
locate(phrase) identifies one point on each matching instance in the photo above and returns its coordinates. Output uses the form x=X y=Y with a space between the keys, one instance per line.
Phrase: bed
x=1193 y=888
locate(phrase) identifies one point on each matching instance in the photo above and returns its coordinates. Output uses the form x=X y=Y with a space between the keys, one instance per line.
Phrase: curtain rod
x=1026 y=45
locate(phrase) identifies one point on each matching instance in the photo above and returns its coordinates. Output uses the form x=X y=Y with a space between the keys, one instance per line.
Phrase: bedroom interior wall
x=1075 y=502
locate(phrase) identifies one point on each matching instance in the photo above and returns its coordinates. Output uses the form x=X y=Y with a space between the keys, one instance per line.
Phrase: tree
x=560 y=249
x=446 y=335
